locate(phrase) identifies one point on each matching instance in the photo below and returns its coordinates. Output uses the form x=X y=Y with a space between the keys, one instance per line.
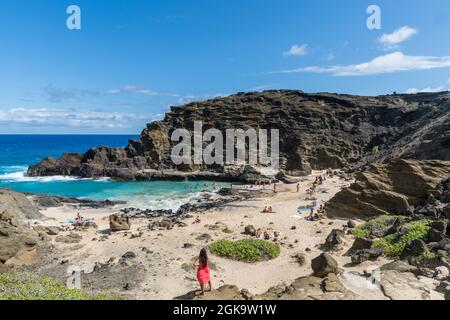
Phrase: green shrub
x=249 y=250
x=379 y=223
x=17 y=285
x=394 y=244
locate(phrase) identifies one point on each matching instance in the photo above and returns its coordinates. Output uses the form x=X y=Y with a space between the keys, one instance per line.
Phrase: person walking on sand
x=203 y=271
x=298 y=187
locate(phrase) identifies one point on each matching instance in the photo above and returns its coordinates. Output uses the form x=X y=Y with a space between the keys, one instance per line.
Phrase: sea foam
x=20 y=176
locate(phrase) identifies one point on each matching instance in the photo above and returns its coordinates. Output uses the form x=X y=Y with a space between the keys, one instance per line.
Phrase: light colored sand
x=165 y=277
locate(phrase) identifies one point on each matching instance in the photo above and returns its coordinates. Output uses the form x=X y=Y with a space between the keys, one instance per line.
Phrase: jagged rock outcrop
x=394 y=188
x=16 y=238
x=311 y=288
x=43 y=201
x=18 y=206
x=304 y=288
x=317 y=131
x=119 y=222
x=403 y=286
x=323 y=265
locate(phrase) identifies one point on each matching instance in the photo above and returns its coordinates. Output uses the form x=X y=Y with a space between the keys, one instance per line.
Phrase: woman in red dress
x=203 y=271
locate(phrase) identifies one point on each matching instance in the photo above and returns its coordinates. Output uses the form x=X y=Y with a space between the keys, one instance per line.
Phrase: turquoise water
x=17 y=152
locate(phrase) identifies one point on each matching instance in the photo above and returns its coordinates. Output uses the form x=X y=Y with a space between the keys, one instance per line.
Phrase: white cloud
x=37 y=117
x=296 y=50
x=389 y=63
x=428 y=89
x=398 y=36
x=56 y=95
x=134 y=89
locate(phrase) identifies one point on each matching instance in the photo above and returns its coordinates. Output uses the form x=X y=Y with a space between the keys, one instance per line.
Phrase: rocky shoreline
x=317 y=132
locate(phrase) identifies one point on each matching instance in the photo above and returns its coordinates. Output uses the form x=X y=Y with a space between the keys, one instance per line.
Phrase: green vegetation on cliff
x=395 y=243
x=367 y=229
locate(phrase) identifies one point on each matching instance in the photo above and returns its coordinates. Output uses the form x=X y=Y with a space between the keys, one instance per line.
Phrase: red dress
x=203 y=274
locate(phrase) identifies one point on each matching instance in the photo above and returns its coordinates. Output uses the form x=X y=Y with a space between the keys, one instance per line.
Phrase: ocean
x=17 y=152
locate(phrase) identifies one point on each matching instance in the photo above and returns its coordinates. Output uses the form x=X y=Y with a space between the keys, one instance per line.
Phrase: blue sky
x=133 y=59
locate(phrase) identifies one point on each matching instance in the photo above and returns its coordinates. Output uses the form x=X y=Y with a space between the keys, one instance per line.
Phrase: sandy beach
x=168 y=264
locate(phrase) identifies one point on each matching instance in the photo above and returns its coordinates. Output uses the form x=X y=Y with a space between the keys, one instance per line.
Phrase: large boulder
x=18 y=206
x=225 y=292
x=335 y=238
x=403 y=286
x=16 y=238
x=366 y=254
x=392 y=188
x=416 y=248
x=360 y=244
x=311 y=288
x=323 y=265
x=250 y=230
x=119 y=223
x=400 y=266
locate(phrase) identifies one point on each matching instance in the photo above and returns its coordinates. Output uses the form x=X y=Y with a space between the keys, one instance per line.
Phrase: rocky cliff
x=16 y=238
x=401 y=187
x=317 y=131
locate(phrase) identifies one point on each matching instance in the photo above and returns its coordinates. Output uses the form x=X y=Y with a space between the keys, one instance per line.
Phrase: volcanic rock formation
x=317 y=131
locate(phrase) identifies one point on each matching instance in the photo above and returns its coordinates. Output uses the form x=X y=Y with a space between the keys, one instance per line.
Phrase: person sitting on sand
x=265 y=210
x=311 y=216
x=203 y=271
x=270 y=210
x=79 y=218
x=197 y=220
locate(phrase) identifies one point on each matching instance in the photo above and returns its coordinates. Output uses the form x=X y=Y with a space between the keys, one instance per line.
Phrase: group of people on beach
x=79 y=220
x=197 y=186
x=319 y=180
x=267 y=210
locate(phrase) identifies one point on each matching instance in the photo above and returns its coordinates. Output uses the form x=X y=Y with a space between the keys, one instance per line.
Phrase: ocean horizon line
x=69 y=134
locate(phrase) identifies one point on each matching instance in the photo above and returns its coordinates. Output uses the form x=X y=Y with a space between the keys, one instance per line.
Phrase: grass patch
x=17 y=285
x=367 y=229
x=249 y=250
x=394 y=244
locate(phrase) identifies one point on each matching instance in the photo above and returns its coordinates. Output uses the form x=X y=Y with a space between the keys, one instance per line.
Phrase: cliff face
x=395 y=188
x=317 y=131
x=16 y=238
